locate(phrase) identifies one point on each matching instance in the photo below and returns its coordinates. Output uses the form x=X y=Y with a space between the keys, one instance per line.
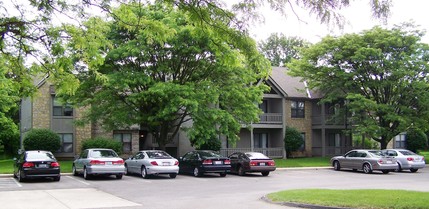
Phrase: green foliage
x=212 y=144
x=293 y=140
x=280 y=49
x=381 y=73
x=100 y=142
x=416 y=140
x=42 y=139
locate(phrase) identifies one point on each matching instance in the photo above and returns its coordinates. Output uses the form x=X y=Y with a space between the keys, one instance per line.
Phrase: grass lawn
x=367 y=198
x=425 y=154
x=6 y=166
x=302 y=162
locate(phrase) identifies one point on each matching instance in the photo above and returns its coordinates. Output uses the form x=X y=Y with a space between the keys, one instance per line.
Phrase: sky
x=358 y=18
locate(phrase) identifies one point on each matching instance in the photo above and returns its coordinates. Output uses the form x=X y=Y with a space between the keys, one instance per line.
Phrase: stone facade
x=301 y=124
x=42 y=108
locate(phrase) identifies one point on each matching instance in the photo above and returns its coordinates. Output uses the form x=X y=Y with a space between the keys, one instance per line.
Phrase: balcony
x=271 y=118
x=273 y=152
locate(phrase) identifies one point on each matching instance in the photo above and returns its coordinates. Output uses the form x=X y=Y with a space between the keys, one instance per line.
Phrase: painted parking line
x=6 y=183
x=80 y=181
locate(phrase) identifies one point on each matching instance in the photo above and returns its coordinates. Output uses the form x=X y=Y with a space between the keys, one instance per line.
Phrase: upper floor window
x=125 y=139
x=297 y=109
x=60 y=109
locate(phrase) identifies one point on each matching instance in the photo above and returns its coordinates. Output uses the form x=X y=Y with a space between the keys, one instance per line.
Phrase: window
x=264 y=106
x=260 y=140
x=297 y=109
x=302 y=147
x=66 y=143
x=125 y=139
x=400 y=141
x=60 y=109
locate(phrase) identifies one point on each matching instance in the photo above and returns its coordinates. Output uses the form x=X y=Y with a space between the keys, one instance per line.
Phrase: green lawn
x=366 y=198
x=6 y=166
x=425 y=154
x=302 y=162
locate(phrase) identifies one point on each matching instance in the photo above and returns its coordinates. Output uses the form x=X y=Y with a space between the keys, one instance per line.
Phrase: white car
x=152 y=162
x=98 y=161
x=407 y=160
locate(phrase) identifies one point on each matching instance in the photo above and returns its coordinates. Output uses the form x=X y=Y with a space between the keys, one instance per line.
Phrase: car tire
x=241 y=171
x=413 y=170
x=222 y=174
x=197 y=172
x=86 y=176
x=385 y=171
x=173 y=175
x=74 y=172
x=367 y=168
x=144 y=173
x=126 y=170
x=57 y=178
x=265 y=173
x=119 y=176
x=19 y=176
x=399 y=169
x=337 y=165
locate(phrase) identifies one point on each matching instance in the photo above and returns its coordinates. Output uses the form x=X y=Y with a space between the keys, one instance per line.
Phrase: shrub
x=42 y=139
x=100 y=142
x=416 y=140
x=293 y=140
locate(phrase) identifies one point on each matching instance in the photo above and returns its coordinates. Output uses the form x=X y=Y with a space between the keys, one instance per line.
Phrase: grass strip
x=368 y=198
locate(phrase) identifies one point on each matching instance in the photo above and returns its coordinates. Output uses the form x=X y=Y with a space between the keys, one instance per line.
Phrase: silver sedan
x=366 y=160
x=407 y=160
x=152 y=162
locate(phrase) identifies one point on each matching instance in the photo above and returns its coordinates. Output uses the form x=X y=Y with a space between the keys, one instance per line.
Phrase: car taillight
x=207 y=162
x=27 y=165
x=55 y=164
x=176 y=163
x=96 y=162
x=271 y=163
x=119 y=162
x=154 y=163
x=410 y=158
x=253 y=163
x=227 y=162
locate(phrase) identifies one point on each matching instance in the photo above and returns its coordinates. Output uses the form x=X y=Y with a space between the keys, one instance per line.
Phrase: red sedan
x=251 y=162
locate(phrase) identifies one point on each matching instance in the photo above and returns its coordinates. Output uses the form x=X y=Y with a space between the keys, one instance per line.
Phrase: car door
x=234 y=162
x=186 y=162
x=359 y=159
x=347 y=161
x=80 y=162
x=132 y=163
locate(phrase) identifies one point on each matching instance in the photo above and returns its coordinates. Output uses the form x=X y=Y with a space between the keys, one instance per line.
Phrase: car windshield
x=40 y=156
x=103 y=153
x=407 y=152
x=158 y=155
x=255 y=155
x=377 y=153
x=209 y=154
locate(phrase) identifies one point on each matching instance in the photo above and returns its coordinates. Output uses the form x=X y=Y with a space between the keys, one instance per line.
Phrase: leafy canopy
x=381 y=73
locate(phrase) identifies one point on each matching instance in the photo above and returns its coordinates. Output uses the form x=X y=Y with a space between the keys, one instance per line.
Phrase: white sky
x=358 y=16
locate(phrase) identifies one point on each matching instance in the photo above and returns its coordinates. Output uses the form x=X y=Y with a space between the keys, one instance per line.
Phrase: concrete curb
x=299 y=205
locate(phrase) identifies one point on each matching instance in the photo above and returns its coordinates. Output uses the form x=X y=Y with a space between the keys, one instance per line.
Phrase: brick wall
x=302 y=125
x=42 y=104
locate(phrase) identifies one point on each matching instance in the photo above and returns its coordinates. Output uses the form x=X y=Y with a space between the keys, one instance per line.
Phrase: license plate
x=108 y=163
x=217 y=162
x=389 y=161
x=263 y=164
x=42 y=166
x=165 y=163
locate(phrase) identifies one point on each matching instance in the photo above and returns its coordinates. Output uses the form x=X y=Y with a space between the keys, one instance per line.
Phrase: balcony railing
x=271 y=118
x=329 y=120
x=273 y=152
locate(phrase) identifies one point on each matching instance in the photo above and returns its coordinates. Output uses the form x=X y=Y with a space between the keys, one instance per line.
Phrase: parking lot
x=210 y=191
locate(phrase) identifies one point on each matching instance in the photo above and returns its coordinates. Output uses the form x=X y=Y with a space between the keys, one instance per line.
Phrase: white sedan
x=152 y=162
x=407 y=160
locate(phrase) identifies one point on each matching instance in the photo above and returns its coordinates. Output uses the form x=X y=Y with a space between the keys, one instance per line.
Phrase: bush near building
x=101 y=142
x=42 y=139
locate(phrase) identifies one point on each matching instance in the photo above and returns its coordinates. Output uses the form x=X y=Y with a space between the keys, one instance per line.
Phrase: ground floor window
x=125 y=139
x=302 y=147
x=260 y=140
x=66 y=142
x=400 y=141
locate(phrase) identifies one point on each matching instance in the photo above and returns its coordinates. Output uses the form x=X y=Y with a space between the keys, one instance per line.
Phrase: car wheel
x=367 y=168
x=19 y=176
x=265 y=173
x=385 y=172
x=241 y=171
x=413 y=170
x=222 y=174
x=86 y=176
x=197 y=172
x=144 y=173
x=173 y=175
x=118 y=176
x=399 y=169
x=126 y=170
x=74 y=172
x=57 y=178
x=337 y=166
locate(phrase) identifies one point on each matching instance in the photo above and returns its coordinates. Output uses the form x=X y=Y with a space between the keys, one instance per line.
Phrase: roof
x=293 y=87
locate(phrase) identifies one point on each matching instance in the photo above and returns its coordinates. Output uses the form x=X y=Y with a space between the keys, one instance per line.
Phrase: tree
x=381 y=73
x=152 y=65
x=416 y=140
x=293 y=140
x=280 y=49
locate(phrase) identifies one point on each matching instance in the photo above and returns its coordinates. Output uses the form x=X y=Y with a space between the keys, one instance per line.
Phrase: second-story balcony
x=271 y=118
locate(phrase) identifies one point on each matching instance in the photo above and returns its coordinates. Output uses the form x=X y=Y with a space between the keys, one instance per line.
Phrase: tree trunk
x=383 y=143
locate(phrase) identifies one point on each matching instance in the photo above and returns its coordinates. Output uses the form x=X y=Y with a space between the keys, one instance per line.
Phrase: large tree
x=152 y=65
x=280 y=49
x=381 y=73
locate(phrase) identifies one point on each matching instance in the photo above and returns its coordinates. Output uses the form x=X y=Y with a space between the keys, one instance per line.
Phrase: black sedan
x=204 y=161
x=36 y=164
x=251 y=162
